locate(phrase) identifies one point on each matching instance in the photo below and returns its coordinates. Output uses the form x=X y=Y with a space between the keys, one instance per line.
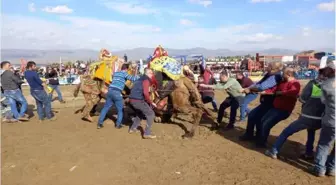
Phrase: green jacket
x=232 y=87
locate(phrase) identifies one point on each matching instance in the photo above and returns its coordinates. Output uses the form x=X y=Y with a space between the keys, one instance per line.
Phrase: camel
x=94 y=85
x=185 y=105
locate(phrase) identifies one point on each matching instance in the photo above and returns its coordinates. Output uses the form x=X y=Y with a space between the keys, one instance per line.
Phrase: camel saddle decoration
x=107 y=65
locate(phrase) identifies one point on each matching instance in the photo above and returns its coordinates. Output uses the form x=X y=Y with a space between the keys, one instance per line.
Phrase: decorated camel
x=94 y=84
x=178 y=98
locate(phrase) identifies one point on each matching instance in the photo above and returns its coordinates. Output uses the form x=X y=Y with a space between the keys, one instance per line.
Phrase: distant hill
x=49 y=56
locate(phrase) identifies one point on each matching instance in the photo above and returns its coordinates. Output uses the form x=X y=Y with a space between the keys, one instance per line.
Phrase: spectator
x=6 y=113
x=207 y=94
x=42 y=99
x=11 y=87
x=325 y=163
x=245 y=82
x=114 y=95
x=209 y=79
x=52 y=77
x=125 y=58
x=140 y=101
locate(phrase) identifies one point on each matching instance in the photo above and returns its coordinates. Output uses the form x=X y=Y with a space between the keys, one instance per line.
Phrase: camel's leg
x=188 y=114
x=90 y=100
x=80 y=110
x=197 y=115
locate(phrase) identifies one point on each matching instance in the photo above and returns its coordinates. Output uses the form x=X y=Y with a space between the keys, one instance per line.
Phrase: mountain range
x=50 y=56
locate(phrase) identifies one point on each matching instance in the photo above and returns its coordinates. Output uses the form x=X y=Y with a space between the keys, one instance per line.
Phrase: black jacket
x=52 y=77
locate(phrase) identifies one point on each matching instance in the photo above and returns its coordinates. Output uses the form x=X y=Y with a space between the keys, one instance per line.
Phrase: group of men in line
x=13 y=98
x=278 y=91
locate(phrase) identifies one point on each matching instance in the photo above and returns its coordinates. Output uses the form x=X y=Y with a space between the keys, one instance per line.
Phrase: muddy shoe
x=131 y=131
x=62 y=102
x=271 y=154
x=316 y=172
x=330 y=173
x=89 y=119
x=99 y=126
x=149 y=136
x=10 y=121
x=52 y=119
x=24 y=118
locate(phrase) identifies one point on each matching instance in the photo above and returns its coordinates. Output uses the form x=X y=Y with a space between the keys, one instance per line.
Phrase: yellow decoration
x=106 y=68
x=47 y=88
x=171 y=67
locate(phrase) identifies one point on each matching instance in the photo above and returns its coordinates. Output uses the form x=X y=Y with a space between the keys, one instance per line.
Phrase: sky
x=178 y=24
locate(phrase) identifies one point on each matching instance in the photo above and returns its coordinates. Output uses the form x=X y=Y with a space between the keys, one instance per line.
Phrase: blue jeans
x=58 y=91
x=43 y=103
x=14 y=97
x=113 y=97
x=228 y=102
x=244 y=106
x=310 y=142
x=142 y=109
x=254 y=119
x=207 y=99
x=324 y=161
x=300 y=124
x=268 y=121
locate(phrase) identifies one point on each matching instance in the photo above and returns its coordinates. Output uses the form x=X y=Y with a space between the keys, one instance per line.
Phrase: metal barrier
x=74 y=79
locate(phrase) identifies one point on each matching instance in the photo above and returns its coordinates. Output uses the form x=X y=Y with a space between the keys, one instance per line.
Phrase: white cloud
x=113 y=26
x=60 y=9
x=326 y=7
x=31 y=7
x=186 y=22
x=264 y=1
x=185 y=14
x=295 y=11
x=129 y=7
x=306 y=31
x=204 y=3
x=262 y=37
x=70 y=32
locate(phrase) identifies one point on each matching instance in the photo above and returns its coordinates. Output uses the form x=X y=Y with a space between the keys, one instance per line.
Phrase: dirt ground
x=71 y=151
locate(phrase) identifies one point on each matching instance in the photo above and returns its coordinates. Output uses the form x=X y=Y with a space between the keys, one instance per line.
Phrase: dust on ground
x=71 y=151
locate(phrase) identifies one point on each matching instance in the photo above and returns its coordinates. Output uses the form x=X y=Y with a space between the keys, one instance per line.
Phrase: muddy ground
x=71 y=151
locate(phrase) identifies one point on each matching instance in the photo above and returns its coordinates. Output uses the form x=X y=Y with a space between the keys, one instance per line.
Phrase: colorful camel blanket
x=171 y=67
x=105 y=68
